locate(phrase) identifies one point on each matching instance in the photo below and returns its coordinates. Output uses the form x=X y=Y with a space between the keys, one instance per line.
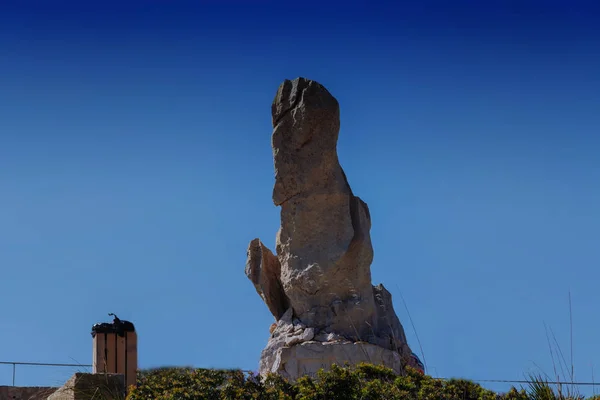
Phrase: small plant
x=540 y=389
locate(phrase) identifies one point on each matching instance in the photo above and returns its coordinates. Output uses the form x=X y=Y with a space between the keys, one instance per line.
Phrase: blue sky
x=136 y=167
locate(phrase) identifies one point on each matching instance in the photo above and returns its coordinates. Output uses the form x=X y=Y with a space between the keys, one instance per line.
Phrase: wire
x=550 y=383
x=43 y=364
x=248 y=371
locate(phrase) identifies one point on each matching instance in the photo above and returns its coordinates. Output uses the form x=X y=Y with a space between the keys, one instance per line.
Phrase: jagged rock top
x=306 y=124
x=291 y=94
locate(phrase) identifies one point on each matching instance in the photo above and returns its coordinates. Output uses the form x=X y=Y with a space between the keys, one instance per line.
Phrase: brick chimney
x=115 y=349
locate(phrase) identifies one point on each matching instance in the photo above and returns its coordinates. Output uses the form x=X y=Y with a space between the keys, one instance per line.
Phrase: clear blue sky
x=135 y=167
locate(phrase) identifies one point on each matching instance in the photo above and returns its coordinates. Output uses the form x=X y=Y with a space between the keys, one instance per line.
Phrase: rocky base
x=307 y=358
x=295 y=350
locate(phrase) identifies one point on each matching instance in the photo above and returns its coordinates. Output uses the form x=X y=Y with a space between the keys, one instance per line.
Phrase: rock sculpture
x=318 y=286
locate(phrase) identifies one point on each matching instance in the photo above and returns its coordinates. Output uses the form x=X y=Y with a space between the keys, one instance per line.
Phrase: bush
x=362 y=382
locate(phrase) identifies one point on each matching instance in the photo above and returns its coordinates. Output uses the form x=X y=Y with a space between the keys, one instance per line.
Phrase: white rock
x=307 y=358
x=304 y=336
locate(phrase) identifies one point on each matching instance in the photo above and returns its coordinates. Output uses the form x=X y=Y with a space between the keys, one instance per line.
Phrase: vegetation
x=363 y=382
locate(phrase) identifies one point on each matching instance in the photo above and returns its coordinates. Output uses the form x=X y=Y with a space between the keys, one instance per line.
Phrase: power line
x=248 y=371
x=43 y=364
x=503 y=381
x=527 y=382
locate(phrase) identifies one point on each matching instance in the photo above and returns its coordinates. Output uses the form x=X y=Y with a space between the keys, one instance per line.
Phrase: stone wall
x=25 y=393
x=81 y=386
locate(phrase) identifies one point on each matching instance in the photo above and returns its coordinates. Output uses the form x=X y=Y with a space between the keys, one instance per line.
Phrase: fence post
x=14 y=371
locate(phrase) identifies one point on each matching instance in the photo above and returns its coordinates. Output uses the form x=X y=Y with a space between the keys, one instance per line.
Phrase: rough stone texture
x=84 y=386
x=309 y=357
x=25 y=393
x=318 y=287
x=263 y=269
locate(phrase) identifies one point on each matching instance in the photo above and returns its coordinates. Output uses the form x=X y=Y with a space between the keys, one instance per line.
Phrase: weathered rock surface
x=264 y=270
x=318 y=287
x=307 y=358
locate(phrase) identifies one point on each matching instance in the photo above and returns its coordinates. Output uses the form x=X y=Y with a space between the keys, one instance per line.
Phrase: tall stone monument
x=318 y=285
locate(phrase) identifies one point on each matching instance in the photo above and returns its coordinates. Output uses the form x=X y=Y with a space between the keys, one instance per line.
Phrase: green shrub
x=514 y=394
x=362 y=382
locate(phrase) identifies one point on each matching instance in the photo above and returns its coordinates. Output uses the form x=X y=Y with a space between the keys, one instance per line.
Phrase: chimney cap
x=118 y=326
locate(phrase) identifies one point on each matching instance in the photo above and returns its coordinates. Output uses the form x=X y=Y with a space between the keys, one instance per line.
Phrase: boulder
x=318 y=286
